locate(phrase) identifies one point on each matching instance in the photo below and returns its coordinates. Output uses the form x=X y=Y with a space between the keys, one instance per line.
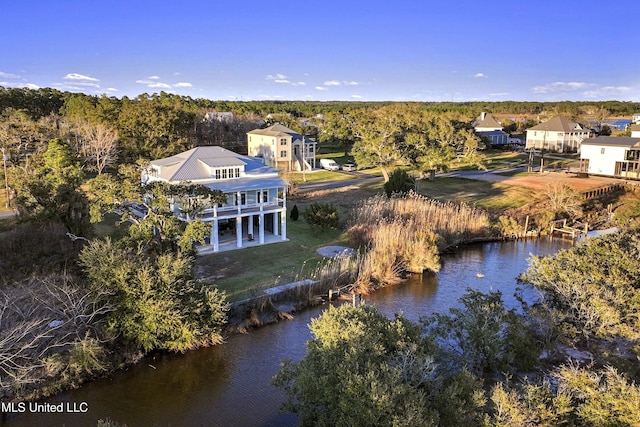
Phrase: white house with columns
x=255 y=212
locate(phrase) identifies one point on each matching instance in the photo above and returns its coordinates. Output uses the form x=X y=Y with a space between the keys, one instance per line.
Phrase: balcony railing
x=223 y=212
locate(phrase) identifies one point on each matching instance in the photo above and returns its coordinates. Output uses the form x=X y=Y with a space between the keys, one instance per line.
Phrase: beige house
x=557 y=134
x=282 y=148
x=635 y=130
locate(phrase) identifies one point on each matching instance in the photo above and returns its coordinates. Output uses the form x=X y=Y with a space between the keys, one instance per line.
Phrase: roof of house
x=557 y=124
x=486 y=120
x=275 y=130
x=195 y=164
x=613 y=141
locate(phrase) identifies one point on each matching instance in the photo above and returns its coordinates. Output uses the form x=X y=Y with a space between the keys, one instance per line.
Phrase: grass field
x=483 y=194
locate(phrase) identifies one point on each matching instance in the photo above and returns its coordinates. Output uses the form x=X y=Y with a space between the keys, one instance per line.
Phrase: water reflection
x=229 y=385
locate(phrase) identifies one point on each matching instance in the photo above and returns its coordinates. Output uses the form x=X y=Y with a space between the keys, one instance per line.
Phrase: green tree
x=592 y=290
x=148 y=208
x=363 y=369
x=377 y=134
x=157 y=303
x=52 y=191
x=482 y=335
x=321 y=215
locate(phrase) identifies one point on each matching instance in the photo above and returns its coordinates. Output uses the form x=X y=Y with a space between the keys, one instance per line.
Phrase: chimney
x=483 y=115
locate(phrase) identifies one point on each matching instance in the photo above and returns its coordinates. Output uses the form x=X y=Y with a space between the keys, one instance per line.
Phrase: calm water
x=229 y=385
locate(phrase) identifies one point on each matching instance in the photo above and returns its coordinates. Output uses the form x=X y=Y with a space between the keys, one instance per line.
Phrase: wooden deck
x=560 y=226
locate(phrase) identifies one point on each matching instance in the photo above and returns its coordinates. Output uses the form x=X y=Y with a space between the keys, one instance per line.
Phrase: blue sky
x=402 y=50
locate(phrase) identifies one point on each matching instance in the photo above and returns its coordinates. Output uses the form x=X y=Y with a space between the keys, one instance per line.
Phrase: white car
x=349 y=167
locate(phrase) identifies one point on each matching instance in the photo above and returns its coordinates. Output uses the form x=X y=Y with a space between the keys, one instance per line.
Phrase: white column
x=250 y=227
x=239 y=231
x=239 y=198
x=275 y=223
x=214 y=239
x=261 y=227
x=283 y=224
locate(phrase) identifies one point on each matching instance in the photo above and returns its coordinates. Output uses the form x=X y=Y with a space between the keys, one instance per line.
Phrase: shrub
x=294 y=213
x=399 y=183
x=322 y=216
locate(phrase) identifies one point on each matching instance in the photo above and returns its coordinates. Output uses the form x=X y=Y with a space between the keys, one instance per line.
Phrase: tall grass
x=405 y=234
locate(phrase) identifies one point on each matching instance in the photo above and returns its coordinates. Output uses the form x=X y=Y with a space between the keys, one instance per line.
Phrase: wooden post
x=330 y=294
x=526 y=225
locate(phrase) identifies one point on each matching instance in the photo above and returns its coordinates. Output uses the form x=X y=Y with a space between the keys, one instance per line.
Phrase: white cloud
x=299 y=84
x=111 y=89
x=356 y=97
x=276 y=77
x=159 y=85
x=76 y=76
x=561 y=87
x=332 y=83
x=321 y=88
x=32 y=86
x=479 y=75
x=282 y=81
x=154 y=78
x=8 y=75
x=183 y=84
x=607 y=91
x=351 y=83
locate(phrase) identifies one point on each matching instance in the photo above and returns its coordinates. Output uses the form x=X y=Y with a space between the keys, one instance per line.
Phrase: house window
x=218 y=174
x=224 y=174
x=283 y=141
x=310 y=149
x=602 y=150
x=283 y=153
x=237 y=173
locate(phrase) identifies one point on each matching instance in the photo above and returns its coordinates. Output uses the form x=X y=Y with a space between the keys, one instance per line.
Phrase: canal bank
x=230 y=384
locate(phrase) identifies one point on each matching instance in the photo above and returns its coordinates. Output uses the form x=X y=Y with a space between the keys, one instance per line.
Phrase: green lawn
x=241 y=273
x=483 y=194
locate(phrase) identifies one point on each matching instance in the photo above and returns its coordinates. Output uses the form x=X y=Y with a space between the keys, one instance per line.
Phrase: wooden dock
x=560 y=226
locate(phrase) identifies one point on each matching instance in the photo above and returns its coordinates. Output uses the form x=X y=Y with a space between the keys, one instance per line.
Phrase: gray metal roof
x=194 y=164
x=613 y=141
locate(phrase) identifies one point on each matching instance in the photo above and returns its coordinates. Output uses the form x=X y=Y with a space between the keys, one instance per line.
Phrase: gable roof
x=275 y=130
x=613 y=141
x=195 y=164
x=557 y=124
x=486 y=120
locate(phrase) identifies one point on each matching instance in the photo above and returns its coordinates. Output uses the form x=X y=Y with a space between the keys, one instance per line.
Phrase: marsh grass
x=405 y=234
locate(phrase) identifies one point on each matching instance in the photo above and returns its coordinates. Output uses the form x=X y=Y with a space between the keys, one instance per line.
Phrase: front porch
x=230 y=243
x=245 y=229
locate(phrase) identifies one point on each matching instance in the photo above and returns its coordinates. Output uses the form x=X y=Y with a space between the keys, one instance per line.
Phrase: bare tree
x=49 y=316
x=98 y=145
